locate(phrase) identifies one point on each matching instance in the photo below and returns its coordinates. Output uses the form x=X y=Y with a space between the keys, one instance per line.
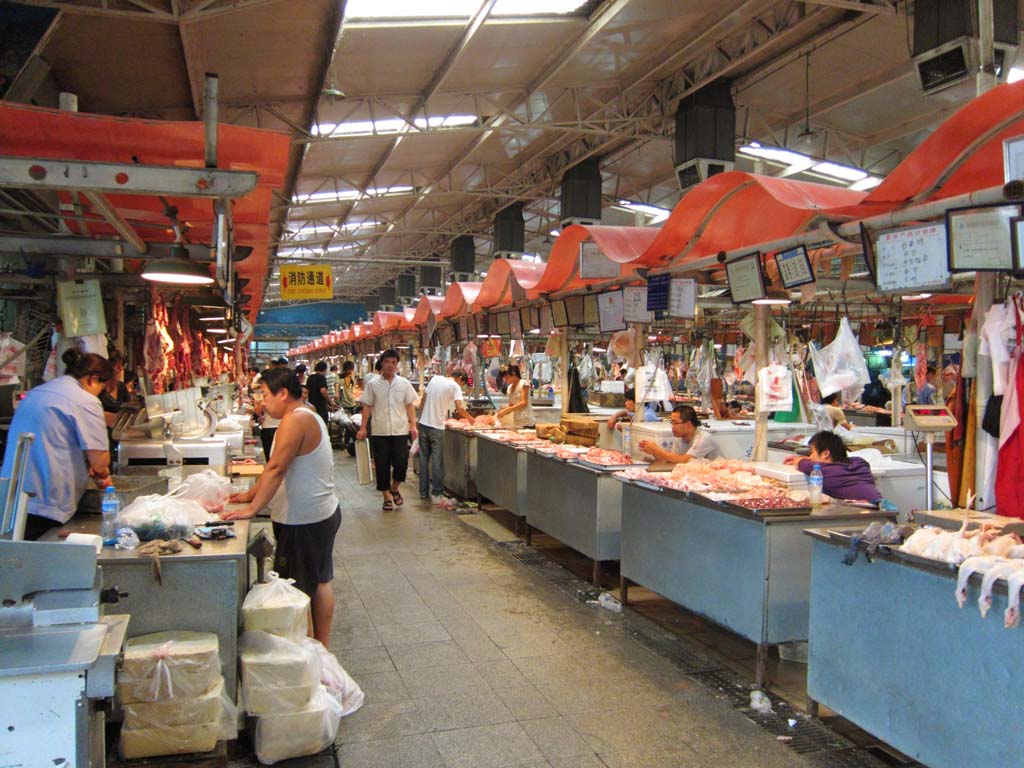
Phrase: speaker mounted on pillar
x=947 y=50
x=705 y=137
x=509 y=233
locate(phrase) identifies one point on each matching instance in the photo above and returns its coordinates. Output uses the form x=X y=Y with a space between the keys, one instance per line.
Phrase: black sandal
x=399 y=501
x=388 y=506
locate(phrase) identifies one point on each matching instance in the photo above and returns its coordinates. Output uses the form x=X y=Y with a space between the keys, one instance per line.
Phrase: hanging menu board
x=559 y=315
x=424 y=336
x=463 y=334
x=794 y=267
x=657 y=292
x=504 y=326
x=529 y=318
x=912 y=258
x=746 y=282
x=634 y=305
x=594 y=264
x=574 y=310
x=545 y=320
x=515 y=326
x=980 y=239
x=682 y=298
x=611 y=312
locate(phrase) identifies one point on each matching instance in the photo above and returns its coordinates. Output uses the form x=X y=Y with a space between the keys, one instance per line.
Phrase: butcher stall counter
x=501 y=475
x=747 y=571
x=891 y=652
x=460 y=462
x=202 y=589
x=578 y=503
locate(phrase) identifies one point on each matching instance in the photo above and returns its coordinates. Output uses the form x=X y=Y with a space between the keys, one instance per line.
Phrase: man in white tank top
x=297 y=485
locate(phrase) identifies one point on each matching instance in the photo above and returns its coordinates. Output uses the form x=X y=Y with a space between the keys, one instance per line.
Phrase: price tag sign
x=746 y=283
x=634 y=299
x=794 y=267
x=682 y=298
x=81 y=308
x=657 y=292
x=594 y=264
x=610 y=312
x=913 y=258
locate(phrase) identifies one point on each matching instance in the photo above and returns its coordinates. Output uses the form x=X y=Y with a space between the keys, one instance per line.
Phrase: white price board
x=81 y=308
x=594 y=264
x=912 y=258
x=746 y=283
x=794 y=267
x=980 y=238
x=634 y=303
x=610 y=312
x=682 y=297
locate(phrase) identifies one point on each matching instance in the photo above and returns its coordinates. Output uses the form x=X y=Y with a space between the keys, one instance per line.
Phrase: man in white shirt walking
x=443 y=394
x=388 y=401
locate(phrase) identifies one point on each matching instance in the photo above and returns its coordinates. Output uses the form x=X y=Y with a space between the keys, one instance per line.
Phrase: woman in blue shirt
x=70 y=443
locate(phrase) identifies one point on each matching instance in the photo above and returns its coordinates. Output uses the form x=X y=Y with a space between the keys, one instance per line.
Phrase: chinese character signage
x=306 y=282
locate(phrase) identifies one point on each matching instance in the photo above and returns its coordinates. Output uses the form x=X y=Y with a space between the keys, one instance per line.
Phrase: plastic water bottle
x=627 y=438
x=111 y=508
x=815 y=483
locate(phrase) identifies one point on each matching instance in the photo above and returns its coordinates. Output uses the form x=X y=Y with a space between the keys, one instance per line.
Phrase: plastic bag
x=278 y=674
x=840 y=365
x=307 y=731
x=551 y=347
x=336 y=680
x=469 y=356
x=162 y=517
x=622 y=345
x=586 y=370
x=775 y=384
x=213 y=707
x=276 y=607
x=168 y=665
x=208 y=488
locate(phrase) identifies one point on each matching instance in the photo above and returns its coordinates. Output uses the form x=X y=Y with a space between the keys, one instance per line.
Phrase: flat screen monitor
x=794 y=267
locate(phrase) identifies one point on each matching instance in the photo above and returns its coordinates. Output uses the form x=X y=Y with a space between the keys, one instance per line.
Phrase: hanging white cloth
x=996 y=334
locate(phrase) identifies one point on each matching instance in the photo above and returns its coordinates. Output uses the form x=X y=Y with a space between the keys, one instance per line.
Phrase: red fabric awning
x=508 y=280
x=459 y=299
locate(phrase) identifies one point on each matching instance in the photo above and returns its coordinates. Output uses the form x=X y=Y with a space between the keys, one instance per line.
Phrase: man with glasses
x=697 y=441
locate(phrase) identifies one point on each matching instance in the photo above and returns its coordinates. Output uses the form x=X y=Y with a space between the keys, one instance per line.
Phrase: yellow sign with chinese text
x=306 y=282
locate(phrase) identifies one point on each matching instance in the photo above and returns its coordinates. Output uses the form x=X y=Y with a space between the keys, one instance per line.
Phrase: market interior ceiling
x=416 y=121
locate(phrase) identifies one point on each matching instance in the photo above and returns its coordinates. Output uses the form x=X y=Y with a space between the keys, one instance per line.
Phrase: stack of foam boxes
x=291 y=713
x=172 y=694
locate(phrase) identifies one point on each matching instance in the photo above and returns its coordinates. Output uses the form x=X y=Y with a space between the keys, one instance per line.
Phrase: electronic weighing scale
x=929 y=420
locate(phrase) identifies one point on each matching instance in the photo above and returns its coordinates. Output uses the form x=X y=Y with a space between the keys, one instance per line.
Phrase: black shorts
x=306 y=552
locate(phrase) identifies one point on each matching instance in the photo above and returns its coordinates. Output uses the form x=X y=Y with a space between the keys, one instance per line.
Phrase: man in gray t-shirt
x=697 y=441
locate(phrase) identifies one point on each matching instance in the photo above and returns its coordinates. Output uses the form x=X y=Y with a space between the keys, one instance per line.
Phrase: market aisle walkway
x=472 y=659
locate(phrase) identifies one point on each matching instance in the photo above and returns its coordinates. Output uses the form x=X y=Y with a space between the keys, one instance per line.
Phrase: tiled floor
x=470 y=659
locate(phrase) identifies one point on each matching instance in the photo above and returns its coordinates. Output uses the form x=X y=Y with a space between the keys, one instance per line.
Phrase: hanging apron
x=1009 y=478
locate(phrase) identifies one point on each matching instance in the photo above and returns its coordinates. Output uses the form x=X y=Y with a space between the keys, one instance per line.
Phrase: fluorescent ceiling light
x=657 y=213
x=440 y=9
x=555 y=232
x=774 y=154
x=1016 y=73
x=844 y=172
x=217 y=330
x=212 y=319
x=392 y=125
x=865 y=184
x=350 y=194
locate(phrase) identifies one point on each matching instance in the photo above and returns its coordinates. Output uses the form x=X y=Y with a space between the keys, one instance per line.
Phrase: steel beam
x=123 y=178
x=93 y=248
x=116 y=220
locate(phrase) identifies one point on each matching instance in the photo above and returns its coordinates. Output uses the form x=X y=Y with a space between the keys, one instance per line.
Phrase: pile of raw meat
x=607 y=458
x=724 y=480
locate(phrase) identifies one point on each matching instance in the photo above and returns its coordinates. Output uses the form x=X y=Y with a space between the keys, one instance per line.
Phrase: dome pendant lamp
x=177 y=269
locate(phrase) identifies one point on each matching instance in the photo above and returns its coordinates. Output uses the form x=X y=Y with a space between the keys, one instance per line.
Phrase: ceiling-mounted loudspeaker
x=700 y=169
x=956 y=64
x=386 y=294
x=406 y=286
x=583 y=220
x=430 y=276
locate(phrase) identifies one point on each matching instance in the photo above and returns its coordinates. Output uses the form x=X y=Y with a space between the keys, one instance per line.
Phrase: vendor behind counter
x=70 y=444
x=698 y=442
x=845 y=477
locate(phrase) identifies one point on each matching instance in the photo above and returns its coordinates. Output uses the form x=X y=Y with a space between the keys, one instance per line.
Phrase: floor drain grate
x=805 y=736
x=727 y=683
x=844 y=758
x=531 y=557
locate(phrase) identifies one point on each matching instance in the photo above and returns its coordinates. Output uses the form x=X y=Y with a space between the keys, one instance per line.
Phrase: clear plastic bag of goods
x=775 y=383
x=840 y=365
x=162 y=517
x=276 y=607
x=214 y=705
x=336 y=680
x=206 y=487
x=168 y=665
x=278 y=674
x=306 y=731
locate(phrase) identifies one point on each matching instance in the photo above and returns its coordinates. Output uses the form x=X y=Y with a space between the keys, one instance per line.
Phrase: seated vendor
x=835 y=413
x=697 y=441
x=626 y=414
x=846 y=477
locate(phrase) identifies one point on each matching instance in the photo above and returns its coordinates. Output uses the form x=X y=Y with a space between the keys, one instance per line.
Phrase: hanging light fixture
x=776 y=297
x=806 y=133
x=177 y=269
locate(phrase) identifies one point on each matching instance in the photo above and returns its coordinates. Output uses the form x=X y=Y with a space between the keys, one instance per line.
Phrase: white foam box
x=785 y=473
x=284 y=678
x=284 y=735
x=167 y=665
x=171 y=740
x=659 y=432
x=162 y=714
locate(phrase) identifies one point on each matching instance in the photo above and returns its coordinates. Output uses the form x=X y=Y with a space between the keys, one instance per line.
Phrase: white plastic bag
x=840 y=365
x=336 y=680
x=168 y=665
x=307 y=731
x=162 y=517
x=278 y=674
x=775 y=385
x=206 y=487
x=276 y=607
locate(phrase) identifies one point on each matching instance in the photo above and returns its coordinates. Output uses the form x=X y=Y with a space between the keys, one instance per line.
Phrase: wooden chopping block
x=580 y=440
x=581 y=427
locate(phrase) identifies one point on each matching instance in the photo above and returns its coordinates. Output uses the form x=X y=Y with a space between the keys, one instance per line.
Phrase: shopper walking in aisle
x=388 y=401
x=442 y=396
x=297 y=486
x=347 y=386
x=319 y=394
x=332 y=382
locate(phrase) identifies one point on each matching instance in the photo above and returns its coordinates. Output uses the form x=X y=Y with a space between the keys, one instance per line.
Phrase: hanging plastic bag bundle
x=775 y=385
x=840 y=366
x=206 y=487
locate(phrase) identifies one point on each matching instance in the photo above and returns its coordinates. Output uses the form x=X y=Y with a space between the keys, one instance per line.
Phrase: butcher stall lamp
x=775 y=297
x=217 y=331
x=177 y=269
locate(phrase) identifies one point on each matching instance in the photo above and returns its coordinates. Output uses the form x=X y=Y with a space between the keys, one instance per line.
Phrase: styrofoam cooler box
x=659 y=432
x=784 y=473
